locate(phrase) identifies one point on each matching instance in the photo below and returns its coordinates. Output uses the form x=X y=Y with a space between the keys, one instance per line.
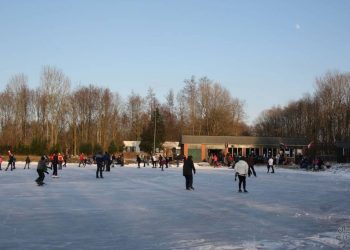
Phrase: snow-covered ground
x=148 y=209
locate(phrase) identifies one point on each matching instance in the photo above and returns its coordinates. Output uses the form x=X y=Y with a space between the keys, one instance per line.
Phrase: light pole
x=155 y=128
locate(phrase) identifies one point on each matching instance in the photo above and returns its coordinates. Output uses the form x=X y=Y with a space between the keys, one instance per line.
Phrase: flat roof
x=248 y=140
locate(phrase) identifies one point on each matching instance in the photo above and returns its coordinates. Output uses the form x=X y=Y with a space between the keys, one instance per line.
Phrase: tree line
x=87 y=118
x=323 y=117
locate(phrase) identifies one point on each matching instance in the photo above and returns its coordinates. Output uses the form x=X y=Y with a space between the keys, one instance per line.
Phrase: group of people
x=243 y=166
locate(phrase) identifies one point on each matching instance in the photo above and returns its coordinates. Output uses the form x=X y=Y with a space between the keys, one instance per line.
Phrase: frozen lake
x=148 y=209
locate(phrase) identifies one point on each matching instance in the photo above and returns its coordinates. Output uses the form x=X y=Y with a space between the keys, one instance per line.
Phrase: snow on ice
x=149 y=209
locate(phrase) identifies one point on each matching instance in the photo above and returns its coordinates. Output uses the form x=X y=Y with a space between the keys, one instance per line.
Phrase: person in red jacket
x=82 y=159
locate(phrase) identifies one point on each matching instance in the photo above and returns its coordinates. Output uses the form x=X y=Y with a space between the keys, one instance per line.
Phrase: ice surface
x=146 y=208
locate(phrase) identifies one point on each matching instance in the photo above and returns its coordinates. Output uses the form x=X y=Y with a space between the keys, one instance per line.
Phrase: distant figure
x=215 y=160
x=54 y=165
x=82 y=160
x=138 y=159
x=27 y=162
x=177 y=160
x=60 y=161
x=14 y=161
x=270 y=165
x=10 y=161
x=107 y=162
x=277 y=159
x=242 y=169
x=41 y=169
x=251 y=163
x=188 y=167
x=0 y=162
x=99 y=162
x=65 y=157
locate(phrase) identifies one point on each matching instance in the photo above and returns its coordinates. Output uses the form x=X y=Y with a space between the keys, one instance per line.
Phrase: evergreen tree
x=154 y=128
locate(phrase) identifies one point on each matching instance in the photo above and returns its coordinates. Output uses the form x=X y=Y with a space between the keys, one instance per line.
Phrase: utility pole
x=155 y=128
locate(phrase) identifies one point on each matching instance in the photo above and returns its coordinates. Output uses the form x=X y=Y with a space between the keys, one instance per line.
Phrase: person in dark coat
x=251 y=163
x=54 y=164
x=65 y=157
x=188 y=167
x=10 y=162
x=27 y=162
x=107 y=162
x=138 y=159
x=99 y=162
x=41 y=169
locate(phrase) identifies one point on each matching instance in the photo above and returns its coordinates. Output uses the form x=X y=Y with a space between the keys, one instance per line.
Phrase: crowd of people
x=243 y=166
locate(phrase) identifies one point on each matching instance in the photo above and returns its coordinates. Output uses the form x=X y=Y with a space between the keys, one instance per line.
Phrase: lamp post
x=155 y=128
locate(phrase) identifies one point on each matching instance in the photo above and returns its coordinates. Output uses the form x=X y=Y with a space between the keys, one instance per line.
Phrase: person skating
x=10 y=161
x=54 y=165
x=270 y=165
x=99 y=162
x=14 y=161
x=107 y=162
x=0 y=162
x=251 y=163
x=41 y=169
x=82 y=160
x=242 y=169
x=60 y=161
x=65 y=157
x=188 y=167
x=138 y=159
x=27 y=162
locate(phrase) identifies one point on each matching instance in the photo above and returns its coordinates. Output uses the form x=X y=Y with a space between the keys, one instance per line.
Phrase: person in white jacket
x=242 y=169
x=270 y=165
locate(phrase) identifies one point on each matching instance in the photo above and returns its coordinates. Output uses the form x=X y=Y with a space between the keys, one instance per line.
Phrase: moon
x=297 y=26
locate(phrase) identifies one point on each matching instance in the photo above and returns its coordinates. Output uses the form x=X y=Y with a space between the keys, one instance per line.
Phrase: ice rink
x=149 y=209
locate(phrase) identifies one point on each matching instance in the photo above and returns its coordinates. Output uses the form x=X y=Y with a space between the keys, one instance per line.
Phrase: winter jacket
x=270 y=162
x=42 y=166
x=242 y=168
x=251 y=161
x=99 y=160
x=188 y=167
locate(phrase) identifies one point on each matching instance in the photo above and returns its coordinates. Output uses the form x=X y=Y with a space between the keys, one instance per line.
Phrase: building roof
x=244 y=140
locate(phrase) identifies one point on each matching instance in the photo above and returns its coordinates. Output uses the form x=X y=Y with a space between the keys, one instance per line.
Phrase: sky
x=266 y=53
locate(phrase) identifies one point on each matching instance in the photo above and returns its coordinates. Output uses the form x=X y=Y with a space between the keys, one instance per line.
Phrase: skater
x=270 y=165
x=60 y=161
x=41 y=169
x=99 y=162
x=27 y=162
x=82 y=159
x=166 y=161
x=177 y=160
x=161 y=162
x=0 y=162
x=10 y=161
x=107 y=162
x=242 y=169
x=138 y=159
x=54 y=164
x=154 y=161
x=65 y=160
x=14 y=161
x=251 y=163
x=215 y=161
x=188 y=167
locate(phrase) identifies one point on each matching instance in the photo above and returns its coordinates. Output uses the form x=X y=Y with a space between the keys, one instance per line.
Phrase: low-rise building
x=201 y=147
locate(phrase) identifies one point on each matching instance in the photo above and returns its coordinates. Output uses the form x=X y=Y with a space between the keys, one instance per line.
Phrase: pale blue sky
x=265 y=52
